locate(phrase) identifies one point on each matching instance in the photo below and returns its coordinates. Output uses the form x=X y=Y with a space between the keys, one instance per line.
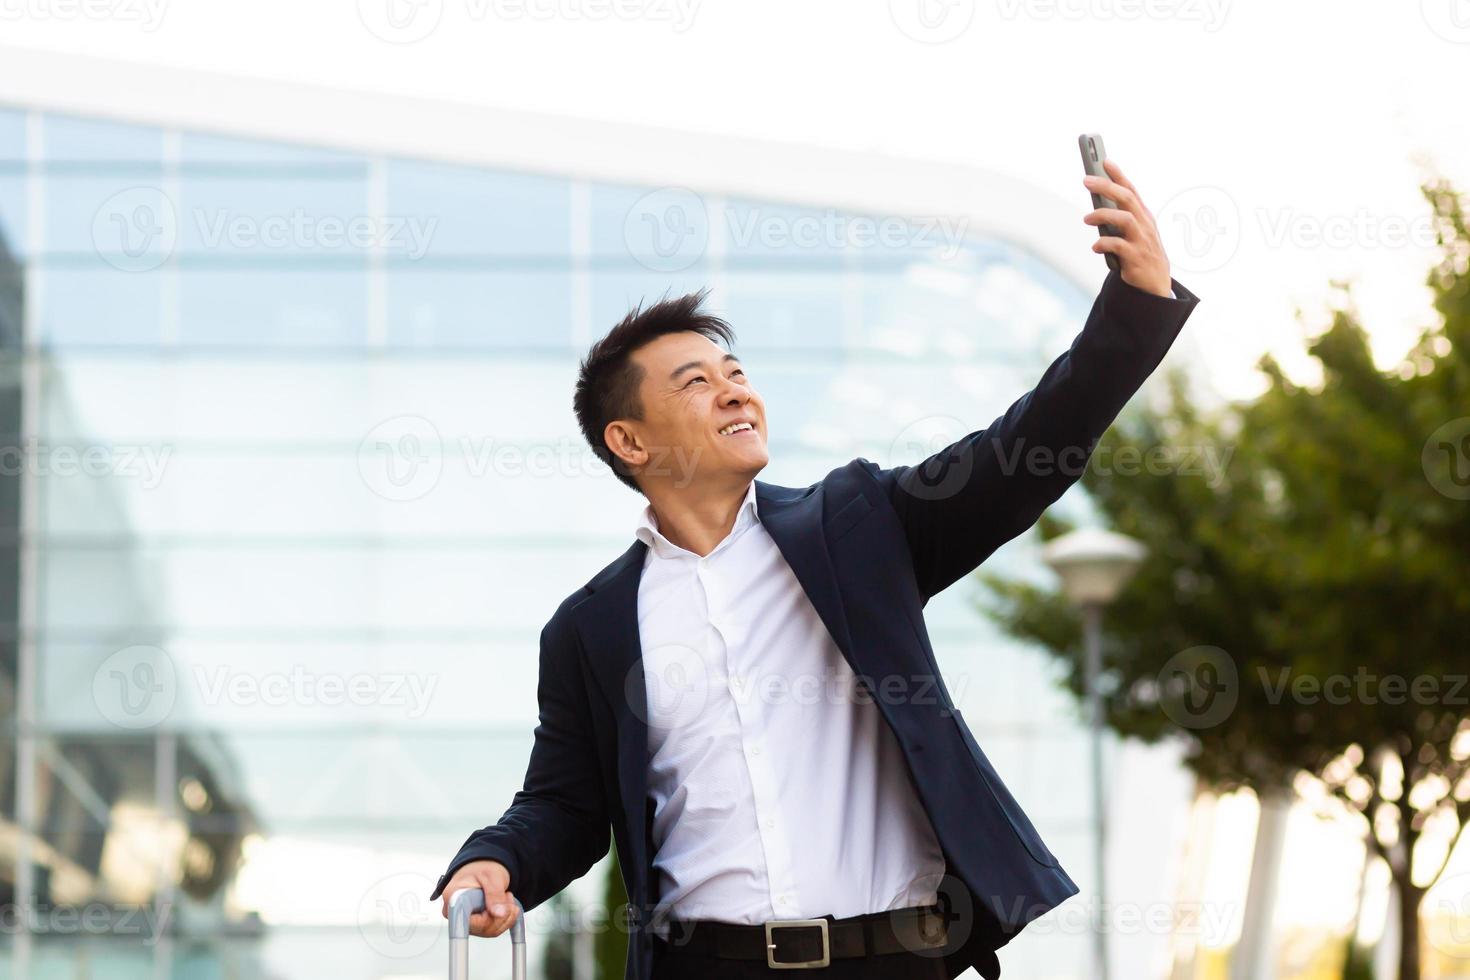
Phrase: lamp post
x=1094 y=566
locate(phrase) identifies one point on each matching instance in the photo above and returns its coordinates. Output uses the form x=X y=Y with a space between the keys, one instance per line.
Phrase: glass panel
x=479 y=308
x=274 y=216
x=206 y=151
x=464 y=211
x=125 y=218
x=785 y=310
x=767 y=235
x=73 y=138
x=617 y=289
x=13 y=211
x=295 y=304
x=12 y=136
x=91 y=303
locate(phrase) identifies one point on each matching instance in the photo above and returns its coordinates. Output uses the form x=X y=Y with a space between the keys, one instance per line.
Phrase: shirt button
x=770 y=823
x=755 y=750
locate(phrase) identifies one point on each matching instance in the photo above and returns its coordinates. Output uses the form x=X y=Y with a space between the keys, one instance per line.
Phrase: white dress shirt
x=778 y=794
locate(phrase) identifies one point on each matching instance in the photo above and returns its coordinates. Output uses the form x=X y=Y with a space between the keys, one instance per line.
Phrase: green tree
x=611 y=946
x=1303 y=608
x=609 y=931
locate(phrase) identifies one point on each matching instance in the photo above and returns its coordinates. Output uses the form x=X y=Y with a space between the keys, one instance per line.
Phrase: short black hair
x=608 y=378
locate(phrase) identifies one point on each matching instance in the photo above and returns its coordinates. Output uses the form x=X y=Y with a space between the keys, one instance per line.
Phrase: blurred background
x=291 y=301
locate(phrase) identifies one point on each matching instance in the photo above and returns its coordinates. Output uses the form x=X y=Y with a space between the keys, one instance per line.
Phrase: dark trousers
x=672 y=964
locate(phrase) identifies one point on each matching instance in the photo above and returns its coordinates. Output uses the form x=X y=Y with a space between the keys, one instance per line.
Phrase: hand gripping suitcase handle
x=464 y=903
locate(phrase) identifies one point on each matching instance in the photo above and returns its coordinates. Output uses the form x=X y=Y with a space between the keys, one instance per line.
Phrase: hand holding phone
x=1093 y=155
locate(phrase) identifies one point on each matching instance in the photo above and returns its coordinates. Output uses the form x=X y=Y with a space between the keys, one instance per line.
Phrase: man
x=861 y=832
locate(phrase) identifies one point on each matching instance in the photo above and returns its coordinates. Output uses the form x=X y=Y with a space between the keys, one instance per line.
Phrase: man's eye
x=737 y=371
x=694 y=379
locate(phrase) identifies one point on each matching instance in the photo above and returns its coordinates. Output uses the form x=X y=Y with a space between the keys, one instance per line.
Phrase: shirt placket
x=745 y=691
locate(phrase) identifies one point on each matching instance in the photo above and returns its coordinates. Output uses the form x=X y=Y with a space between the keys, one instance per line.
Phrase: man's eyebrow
x=694 y=364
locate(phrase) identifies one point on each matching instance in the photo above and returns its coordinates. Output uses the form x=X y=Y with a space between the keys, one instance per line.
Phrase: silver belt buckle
x=773 y=963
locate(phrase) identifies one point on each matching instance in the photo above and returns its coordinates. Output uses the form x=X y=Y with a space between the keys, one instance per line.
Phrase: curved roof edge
x=374 y=123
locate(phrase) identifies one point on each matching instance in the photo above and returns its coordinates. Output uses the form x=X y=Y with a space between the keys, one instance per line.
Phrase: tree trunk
x=1410 y=898
x=1254 y=956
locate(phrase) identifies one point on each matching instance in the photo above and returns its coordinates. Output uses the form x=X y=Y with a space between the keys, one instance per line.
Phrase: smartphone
x=1093 y=156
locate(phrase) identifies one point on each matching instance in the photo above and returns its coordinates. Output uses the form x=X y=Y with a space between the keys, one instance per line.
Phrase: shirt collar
x=648 y=532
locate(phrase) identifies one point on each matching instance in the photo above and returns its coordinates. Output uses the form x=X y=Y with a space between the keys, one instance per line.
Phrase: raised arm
x=971 y=497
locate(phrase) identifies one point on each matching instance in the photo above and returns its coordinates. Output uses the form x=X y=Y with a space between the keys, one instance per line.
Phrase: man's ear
x=623 y=442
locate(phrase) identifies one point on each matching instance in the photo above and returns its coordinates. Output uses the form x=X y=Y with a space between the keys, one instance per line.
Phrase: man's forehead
x=677 y=348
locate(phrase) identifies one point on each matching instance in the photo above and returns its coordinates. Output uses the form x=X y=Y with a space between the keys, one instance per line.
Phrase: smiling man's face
x=702 y=419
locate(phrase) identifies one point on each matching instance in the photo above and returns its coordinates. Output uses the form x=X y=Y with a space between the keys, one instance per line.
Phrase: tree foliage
x=1303 y=608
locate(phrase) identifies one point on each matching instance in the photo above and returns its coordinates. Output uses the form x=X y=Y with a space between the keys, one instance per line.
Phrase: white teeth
x=735 y=427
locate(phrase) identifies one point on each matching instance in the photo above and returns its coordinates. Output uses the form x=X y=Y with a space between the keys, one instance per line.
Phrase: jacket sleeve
x=557 y=825
x=966 y=500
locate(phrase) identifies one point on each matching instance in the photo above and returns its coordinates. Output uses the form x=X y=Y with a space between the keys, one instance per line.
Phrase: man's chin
x=745 y=470
x=754 y=461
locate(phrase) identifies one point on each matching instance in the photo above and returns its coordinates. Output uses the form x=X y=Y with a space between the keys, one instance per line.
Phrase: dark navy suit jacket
x=870 y=546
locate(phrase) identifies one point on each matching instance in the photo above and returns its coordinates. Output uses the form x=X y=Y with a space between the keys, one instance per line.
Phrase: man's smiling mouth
x=735 y=427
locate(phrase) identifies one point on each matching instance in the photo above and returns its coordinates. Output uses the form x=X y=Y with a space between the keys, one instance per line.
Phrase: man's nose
x=734 y=394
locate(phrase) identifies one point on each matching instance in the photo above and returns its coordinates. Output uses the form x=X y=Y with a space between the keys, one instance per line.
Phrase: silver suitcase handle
x=464 y=903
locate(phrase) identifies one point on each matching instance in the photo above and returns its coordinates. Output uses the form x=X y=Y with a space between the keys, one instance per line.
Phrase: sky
x=1280 y=146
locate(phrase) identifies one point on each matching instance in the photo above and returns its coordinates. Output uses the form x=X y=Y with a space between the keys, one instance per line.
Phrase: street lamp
x=1094 y=566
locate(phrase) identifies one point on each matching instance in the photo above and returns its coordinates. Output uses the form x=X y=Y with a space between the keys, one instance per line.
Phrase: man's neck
x=697 y=520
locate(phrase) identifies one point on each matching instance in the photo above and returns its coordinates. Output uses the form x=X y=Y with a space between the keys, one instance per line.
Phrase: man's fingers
x=1120 y=195
x=1120 y=247
x=1120 y=178
x=1116 y=172
x=499 y=915
x=1124 y=221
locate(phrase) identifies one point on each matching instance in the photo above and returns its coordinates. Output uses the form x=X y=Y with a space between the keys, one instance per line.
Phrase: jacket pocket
x=847 y=517
x=1020 y=823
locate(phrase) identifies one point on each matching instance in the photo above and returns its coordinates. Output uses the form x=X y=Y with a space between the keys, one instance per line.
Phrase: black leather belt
x=794 y=944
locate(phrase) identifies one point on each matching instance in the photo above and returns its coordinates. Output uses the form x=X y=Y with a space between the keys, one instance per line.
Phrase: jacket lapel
x=607 y=622
x=793 y=519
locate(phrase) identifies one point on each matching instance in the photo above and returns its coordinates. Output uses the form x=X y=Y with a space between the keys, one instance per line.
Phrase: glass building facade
x=292 y=483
